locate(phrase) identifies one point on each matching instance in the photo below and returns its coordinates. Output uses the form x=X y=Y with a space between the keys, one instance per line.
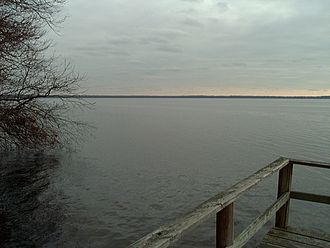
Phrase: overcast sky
x=180 y=47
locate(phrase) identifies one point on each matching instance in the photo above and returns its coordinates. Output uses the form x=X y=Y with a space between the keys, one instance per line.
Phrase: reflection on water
x=29 y=215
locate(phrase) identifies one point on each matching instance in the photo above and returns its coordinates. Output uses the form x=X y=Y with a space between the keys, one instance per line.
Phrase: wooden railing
x=222 y=205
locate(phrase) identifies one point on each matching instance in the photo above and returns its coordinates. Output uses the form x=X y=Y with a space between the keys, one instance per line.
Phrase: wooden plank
x=258 y=223
x=284 y=185
x=267 y=245
x=312 y=241
x=225 y=227
x=167 y=234
x=310 y=197
x=311 y=163
x=310 y=233
x=281 y=242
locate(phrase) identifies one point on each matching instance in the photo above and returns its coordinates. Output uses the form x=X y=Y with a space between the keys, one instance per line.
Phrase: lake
x=148 y=161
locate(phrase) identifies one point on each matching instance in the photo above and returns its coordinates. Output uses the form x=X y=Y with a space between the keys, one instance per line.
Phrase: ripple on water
x=154 y=160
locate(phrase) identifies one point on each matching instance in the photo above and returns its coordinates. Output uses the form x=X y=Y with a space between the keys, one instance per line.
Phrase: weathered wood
x=258 y=223
x=225 y=227
x=301 y=238
x=167 y=234
x=278 y=237
x=284 y=185
x=310 y=197
x=223 y=203
x=267 y=245
x=309 y=233
x=282 y=243
x=311 y=163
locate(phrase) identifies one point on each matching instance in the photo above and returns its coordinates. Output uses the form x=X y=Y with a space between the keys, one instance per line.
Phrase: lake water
x=148 y=161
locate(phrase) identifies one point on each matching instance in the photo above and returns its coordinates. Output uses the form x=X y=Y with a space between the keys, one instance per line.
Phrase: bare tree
x=29 y=116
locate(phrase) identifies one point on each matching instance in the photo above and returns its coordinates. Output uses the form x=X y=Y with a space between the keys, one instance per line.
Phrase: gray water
x=148 y=161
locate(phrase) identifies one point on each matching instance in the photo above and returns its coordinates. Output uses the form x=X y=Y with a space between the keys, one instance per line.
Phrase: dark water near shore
x=151 y=160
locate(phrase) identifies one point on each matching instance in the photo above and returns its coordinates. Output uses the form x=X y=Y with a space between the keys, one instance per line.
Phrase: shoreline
x=193 y=96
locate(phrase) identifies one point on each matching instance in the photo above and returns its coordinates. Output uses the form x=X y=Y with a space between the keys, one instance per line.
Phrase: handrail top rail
x=168 y=233
x=310 y=163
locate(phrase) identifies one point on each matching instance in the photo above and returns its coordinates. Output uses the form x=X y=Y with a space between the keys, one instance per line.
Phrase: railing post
x=284 y=185
x=225 y=227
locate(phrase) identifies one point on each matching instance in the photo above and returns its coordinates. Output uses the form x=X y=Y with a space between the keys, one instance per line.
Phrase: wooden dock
x=294 y=238
x=222 y=206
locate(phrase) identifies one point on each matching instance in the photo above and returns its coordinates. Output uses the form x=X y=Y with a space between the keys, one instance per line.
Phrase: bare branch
x=27 y=78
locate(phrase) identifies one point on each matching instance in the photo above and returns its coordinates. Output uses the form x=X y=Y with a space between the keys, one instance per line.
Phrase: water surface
x=151 y=160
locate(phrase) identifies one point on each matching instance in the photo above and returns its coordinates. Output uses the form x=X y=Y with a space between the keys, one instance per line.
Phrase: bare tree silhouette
x=28 y=77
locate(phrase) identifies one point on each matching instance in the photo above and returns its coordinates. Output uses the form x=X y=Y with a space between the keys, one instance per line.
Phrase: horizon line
x=195 y=96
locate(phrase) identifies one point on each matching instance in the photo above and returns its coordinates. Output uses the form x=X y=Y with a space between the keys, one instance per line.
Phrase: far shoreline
x=193 y=96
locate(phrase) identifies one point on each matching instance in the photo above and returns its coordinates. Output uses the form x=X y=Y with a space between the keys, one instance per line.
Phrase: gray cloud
x=173 y=69
x=214 y=46
x=237 y=64
x=168 y=49
x=119 y=41
x=101 y=51
x=192 y=22
x=171 y=33
x=153 y=40
x=222 y=6
x=189 y=11
x=193 y=1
